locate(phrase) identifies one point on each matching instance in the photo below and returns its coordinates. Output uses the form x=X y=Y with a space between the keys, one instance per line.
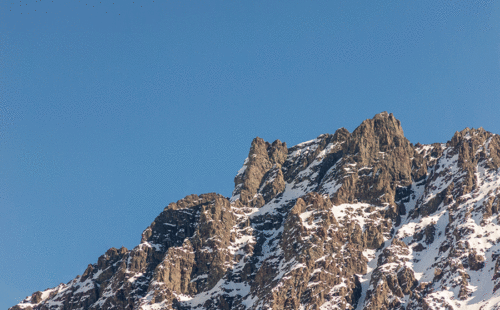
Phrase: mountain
x=361 y=220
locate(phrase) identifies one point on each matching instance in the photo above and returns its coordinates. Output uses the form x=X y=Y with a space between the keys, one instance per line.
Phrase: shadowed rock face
x=264 y=159
x=361 y=220
x=377 y=144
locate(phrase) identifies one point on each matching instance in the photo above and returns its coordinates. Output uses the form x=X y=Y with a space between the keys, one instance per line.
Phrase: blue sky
x=108 y=112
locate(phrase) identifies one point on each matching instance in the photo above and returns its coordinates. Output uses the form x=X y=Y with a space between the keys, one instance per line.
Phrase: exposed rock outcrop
x=361 y=220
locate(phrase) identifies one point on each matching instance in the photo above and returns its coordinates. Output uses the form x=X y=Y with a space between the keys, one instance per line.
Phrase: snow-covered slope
x=362 y=220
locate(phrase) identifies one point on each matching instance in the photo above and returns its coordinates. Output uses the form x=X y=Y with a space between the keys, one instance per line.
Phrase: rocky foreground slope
x=362 y=220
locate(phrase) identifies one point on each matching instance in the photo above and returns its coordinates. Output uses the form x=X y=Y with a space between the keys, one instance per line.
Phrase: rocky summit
x=361 y=220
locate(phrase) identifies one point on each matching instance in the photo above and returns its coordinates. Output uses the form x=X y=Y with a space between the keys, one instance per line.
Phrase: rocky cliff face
x=362 y=220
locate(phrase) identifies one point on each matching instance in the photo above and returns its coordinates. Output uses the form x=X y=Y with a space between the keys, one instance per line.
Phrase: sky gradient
x=108 y=112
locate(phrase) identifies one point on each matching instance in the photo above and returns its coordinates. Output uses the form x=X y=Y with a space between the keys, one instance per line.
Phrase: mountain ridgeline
x=361 y=220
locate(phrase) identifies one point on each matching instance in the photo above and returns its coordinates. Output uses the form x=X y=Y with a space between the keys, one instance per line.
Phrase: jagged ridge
x=362 y=220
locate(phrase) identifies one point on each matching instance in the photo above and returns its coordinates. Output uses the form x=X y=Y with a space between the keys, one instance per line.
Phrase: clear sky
x=110 y=111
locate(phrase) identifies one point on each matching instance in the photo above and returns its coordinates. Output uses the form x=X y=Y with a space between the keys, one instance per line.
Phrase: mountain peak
x=382 y=124
x=361 y=220
x=383 y=114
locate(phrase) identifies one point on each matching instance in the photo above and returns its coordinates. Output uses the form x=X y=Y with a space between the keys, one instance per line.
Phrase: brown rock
x=379 y=144
x=36 y=297
x=373 y=236
x=476 y=261
x=261 y=158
